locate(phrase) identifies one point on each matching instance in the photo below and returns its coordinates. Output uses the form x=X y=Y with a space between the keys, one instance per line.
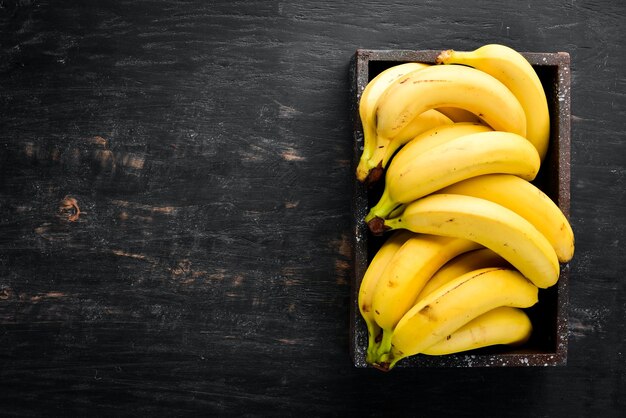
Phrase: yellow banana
x=461 y=264
x=489 y=224
x=527 y=200
x=434 y=129
x=515 y=72
x=436 y=136
x=413 y=173
x=454 y=305
x=449 y=86
x=405 y=275
x=367 y=108
x=368 y=284
x=503 y=325
x=372 y=170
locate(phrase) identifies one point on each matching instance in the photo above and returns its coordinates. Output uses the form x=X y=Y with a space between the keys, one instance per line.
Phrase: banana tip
x=361 y=174
x=377 y=226
x=374 y=175
x=443 y=56
x=383 y=366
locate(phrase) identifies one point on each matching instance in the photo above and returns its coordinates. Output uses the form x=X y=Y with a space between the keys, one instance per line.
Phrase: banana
x=368 y=284
x=461 y=264
x=405 y=275
x=515 y=72
x=449 y=86
x=527 y=200
x=367 y=108
x=503 y=325
x=454 y=305
x=487 y=223
x=371 y=170
x=433 y=130
x=439 y=135
x=414 y=173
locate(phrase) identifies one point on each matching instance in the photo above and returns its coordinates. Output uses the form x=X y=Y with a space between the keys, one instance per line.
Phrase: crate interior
x=544 y=315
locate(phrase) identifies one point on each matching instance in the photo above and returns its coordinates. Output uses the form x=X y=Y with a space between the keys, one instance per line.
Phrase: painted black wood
x=175 y=222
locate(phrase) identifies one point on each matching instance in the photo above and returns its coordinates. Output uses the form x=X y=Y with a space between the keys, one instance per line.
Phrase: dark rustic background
x=175 y=187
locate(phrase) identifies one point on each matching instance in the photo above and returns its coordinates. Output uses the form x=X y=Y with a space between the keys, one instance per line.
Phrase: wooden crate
x=548 y=344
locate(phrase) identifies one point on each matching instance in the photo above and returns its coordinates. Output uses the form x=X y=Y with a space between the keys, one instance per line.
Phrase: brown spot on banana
x=427 y=312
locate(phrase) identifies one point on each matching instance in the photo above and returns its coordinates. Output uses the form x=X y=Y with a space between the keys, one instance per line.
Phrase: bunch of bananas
x=471 y=238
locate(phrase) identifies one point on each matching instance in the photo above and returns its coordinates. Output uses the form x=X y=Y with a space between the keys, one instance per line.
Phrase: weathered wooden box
x=548 y=344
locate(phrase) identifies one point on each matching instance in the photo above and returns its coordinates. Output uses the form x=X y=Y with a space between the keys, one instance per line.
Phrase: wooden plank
x=208 y=147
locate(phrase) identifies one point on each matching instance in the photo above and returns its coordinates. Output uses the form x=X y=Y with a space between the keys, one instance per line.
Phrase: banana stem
x=378 y=156
x=382 y=154
x=369 y=147
x=398 y=210
x=444 y=57
x=387 y=361
x=373 y=332
x=372 y=164
x=374 y=175
x=383 y=208
x=362 y=170
x=394 y=146
x=385 y=344
x=393 y=223
x=393 y=362
x=379 y=226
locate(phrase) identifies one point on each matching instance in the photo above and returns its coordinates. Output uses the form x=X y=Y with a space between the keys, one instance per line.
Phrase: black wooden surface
x=175 y=188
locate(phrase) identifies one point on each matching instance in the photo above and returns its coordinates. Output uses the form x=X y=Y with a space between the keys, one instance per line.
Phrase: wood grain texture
x=175 y=188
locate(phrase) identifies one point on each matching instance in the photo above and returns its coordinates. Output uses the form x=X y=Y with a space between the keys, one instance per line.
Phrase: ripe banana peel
x=377 y=151
x=372 y=170
x=406 y=273
x=527 y=200
x=487 y=223
x=415 y=172
x=518 y=75
x=503 y=325
x=461 y=264
x=455 y=304
x=369 y=98
x=444 y=86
